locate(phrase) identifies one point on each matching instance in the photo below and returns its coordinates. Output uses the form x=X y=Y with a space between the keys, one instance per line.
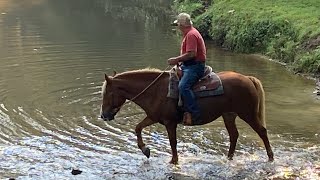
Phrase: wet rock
x=173 y=176
x=76 y=172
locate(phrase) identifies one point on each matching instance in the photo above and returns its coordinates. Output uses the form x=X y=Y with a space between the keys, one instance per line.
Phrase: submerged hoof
x=230 y=156
x=175 y=162
x=146 y=151
x=270 y=155
x=271 y=159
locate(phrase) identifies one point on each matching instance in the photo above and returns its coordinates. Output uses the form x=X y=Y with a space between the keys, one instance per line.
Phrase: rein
x=147 y=86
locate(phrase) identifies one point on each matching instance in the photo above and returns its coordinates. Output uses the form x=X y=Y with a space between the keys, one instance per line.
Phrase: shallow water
x=53 y=55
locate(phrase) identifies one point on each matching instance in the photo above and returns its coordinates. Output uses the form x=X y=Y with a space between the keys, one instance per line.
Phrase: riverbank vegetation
x=284 y=30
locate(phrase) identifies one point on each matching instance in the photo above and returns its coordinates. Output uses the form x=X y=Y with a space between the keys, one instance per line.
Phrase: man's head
x=183 y=21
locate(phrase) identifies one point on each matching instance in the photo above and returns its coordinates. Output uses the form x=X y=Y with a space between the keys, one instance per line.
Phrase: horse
x=243 y=96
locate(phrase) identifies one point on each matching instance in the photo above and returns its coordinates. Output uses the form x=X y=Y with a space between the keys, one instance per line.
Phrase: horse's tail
x=261 y=94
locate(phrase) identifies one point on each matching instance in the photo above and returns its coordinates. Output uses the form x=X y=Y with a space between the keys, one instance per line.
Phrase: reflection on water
x=53 y=54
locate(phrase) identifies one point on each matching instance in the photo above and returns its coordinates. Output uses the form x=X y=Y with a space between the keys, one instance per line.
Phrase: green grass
x=279 y=29
x=303 y=14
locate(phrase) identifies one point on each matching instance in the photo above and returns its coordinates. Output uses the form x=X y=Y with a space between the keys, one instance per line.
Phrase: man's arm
x=184 y=57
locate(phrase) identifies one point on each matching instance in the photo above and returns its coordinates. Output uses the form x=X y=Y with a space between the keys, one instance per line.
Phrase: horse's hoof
x=146 y=151
x=271 y=159
x=270 y=155
x=174 y=162
x=230 y=156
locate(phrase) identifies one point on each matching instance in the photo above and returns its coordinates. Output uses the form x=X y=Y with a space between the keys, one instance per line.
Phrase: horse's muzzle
x=107 y=116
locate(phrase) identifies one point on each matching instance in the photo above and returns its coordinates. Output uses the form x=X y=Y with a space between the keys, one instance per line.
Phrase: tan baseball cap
x=183 y=19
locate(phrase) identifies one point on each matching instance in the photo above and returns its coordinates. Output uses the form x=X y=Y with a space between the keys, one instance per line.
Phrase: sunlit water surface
x=53 y=54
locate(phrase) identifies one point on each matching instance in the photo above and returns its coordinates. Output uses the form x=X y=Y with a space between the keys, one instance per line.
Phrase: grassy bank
x=285 y=30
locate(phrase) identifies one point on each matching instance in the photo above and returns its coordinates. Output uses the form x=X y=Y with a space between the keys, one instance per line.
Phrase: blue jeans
x=191 y=75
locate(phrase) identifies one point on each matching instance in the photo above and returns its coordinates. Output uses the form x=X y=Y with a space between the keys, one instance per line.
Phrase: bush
x=192 y=7
x=310 y=62
x=250 y=35
x=283 y=48
x=203 y=23
x=219 y=29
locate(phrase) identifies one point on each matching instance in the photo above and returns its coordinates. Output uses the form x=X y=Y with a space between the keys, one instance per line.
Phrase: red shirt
x=193 y=41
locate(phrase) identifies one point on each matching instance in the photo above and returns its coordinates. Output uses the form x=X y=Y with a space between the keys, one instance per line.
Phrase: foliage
x=309 y=62
x=203 y=23
x=192 y=7
x=283 y=48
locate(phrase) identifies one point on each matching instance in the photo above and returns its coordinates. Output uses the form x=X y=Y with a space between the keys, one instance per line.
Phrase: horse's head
x=111 y=100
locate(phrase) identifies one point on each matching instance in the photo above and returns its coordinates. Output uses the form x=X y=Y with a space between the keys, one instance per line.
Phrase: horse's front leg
x=172 y=133
x=144 y=123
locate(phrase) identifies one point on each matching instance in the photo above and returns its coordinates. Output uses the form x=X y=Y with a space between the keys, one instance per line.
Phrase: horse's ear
x=114 y=73
x=106 y=77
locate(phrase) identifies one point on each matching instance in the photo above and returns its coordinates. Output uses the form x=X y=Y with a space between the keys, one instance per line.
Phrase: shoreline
x=304 y=75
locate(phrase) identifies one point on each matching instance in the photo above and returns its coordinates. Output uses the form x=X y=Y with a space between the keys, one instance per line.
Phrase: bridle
x=114 y=109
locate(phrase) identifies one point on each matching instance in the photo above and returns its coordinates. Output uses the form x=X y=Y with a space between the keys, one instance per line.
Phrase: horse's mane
x=139 y=71
x=133 y=73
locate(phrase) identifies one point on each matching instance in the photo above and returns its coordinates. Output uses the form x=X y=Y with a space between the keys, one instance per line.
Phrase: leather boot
x=187 y=119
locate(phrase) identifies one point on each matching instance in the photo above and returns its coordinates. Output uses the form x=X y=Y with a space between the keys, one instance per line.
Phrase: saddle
x=209 y=85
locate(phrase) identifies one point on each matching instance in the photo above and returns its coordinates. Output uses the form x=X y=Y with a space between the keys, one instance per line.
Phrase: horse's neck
x=132 y=87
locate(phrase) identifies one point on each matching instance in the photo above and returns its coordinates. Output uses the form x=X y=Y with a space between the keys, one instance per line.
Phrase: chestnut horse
x=243 y=96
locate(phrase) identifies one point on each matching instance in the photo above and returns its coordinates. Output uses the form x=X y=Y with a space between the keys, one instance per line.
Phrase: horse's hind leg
x=262 y=132
x=144 y=123
x=229 y=121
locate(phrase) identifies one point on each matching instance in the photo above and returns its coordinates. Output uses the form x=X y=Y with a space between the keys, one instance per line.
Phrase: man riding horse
x=243 y=96
x=192 y=59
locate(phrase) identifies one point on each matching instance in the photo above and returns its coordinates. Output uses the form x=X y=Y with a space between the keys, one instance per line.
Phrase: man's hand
x=173 y=61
